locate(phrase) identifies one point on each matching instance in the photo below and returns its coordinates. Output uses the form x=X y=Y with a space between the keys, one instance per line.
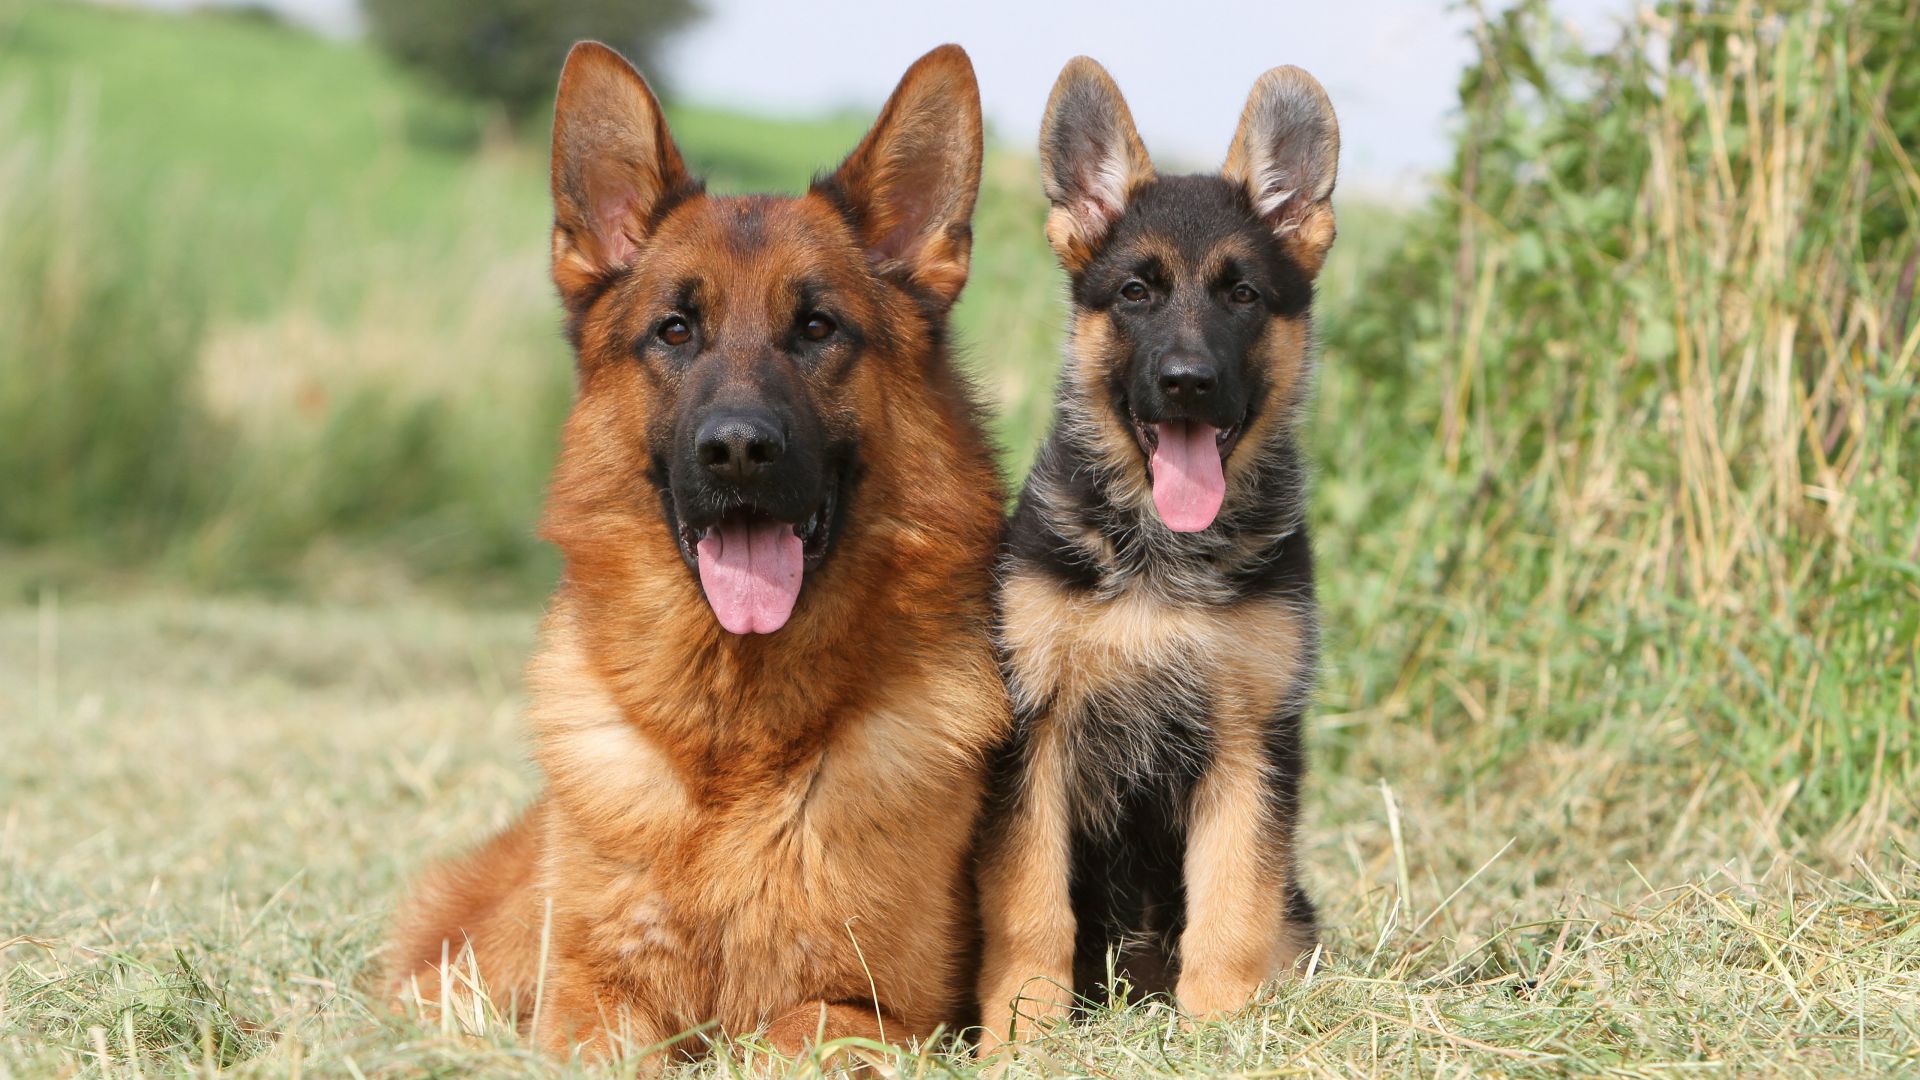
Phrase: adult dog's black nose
x=739 y=446
x=1187 y=378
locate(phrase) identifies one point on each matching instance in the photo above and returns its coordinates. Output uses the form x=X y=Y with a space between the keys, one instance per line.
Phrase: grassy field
x=1618 y=448
x=212 y=804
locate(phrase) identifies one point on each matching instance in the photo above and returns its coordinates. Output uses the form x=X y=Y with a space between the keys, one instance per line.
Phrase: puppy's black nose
x=1187 y=378
x=738 y=447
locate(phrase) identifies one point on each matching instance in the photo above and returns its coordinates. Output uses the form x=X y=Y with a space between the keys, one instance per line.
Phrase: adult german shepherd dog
x=766 y=691
x=1158 y=616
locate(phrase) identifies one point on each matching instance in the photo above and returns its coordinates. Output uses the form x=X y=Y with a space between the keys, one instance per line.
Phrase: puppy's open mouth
x=1148 y=436
x=1186 y=464
x=751 y=564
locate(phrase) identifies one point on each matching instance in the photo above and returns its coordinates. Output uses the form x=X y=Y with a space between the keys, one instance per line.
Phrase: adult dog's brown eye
x=1133 y=291
x=817 y=327
x=675 y=331
x=1243 y=294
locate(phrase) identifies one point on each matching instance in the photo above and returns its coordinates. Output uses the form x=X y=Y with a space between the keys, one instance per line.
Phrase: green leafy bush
x=1657 y=342
x=509 y=51
x=105 y=440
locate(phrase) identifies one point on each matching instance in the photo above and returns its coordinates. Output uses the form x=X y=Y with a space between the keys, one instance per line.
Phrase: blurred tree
x=509 y=51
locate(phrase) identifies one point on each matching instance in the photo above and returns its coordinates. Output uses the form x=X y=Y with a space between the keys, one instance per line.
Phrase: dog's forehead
x=1195 y=228
x=770 y=236
x=1189 y=222
x=750 y=256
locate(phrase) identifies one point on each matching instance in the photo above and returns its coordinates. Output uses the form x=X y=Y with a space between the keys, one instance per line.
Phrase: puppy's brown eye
x=1133 y=291
x=1243 y=294
x=675 y=331
x=816 y=327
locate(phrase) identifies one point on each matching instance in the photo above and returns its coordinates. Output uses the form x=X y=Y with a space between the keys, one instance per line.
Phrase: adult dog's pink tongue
x=751 y=571
x=1188 y=483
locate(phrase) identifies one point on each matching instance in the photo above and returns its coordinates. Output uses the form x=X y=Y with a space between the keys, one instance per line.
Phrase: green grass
x=1661 y=351
x=213 y=803
x=267 y=286
x=1616 y=442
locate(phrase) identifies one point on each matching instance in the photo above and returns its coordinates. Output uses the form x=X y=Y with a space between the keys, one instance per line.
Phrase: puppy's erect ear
x=1285 y=154
x=911 y=183
x=1091 y=159
x=614 y=166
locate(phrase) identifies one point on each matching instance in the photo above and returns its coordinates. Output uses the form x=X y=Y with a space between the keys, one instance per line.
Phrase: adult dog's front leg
x=1026 y=975
x=601 y=1023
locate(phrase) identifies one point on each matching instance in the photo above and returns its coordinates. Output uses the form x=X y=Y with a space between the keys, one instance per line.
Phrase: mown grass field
x=1617 y=445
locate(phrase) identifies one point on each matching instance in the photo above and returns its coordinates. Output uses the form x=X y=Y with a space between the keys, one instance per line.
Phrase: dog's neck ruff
x=1099 y=518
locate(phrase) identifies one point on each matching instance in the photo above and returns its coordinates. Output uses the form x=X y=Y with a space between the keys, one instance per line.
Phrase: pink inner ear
x=611 y=206
x=1098 y=213
x=610 y=226
x=909 y=199
x=899 y=241
x=1103 y=187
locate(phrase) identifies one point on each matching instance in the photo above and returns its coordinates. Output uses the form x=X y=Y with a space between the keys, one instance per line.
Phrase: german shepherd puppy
x=766 y=692
x=1158 y=616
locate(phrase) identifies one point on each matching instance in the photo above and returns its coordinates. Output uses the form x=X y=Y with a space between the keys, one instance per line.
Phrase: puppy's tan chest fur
x=1066 y=649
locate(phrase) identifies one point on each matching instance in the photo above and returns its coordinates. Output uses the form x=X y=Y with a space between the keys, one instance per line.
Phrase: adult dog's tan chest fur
x=801 y=874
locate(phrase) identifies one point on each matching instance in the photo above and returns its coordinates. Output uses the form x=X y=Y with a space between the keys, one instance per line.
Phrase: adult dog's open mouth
x=751 y=564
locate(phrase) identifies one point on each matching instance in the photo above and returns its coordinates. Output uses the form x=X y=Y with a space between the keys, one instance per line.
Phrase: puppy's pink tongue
x=751 y=571
x=1188 y=484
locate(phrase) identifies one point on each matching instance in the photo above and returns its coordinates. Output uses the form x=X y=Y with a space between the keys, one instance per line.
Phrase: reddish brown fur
x=747 y=829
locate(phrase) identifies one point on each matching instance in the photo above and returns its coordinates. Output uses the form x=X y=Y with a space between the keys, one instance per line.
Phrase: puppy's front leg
x=1238 y=882
x=1026 y=973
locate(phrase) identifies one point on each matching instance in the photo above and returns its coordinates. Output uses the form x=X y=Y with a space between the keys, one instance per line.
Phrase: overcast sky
x=1389 y=65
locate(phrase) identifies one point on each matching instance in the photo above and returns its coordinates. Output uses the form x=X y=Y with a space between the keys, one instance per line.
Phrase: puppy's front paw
x=1215 y=997
x=1030 y=1011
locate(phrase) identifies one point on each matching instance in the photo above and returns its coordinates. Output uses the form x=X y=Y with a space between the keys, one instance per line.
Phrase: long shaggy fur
x=766 y=831
x=1144 y=812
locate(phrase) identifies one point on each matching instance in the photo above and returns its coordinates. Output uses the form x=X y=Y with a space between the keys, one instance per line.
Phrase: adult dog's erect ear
x=614 y=167
x=1285 y=154
x=911 y=183
x=1091 y=159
